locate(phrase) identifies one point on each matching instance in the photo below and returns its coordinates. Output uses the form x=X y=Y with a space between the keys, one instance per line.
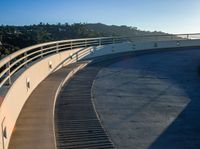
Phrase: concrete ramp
x=35 y=126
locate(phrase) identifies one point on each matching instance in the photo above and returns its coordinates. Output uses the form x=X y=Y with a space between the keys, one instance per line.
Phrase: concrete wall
x=125 y=47
x=19 y=92
x=165 y=44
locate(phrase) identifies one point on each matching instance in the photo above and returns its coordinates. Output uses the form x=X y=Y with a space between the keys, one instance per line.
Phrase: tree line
x=13 y=38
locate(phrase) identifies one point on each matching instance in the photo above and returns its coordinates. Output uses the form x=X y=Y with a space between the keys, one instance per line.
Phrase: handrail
x=15 y=54
x=12 y=63
x=15 y=61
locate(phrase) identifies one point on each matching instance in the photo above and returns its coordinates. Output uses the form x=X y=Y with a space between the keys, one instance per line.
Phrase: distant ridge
x=123 y=30
x=16 y=37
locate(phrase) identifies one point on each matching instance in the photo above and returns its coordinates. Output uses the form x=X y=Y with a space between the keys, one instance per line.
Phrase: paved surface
x=77 y=125
x=34 y=127
x=146 y=101
x=151 y=101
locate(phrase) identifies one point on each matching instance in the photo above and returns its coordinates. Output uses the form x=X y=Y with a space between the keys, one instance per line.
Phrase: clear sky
x=172 y=16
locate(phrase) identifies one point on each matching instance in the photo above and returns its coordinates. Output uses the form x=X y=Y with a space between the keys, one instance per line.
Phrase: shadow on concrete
x=182 y=70
x=184 y=131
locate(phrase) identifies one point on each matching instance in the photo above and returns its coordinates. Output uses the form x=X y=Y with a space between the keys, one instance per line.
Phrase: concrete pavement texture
x=151 y=101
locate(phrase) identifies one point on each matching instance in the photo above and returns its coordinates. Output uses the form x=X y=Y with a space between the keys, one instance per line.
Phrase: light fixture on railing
x=91 y=50
x=178 y=43
x=113 y=49
x=50 y=64
x=133 y=46
x=71 y=55
x=155 y=44
x=1 y=41
x=5 y=132
x=28 y=85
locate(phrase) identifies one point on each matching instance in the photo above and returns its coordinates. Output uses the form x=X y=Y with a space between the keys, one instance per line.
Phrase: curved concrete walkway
x=151 y=101
x=34 y=128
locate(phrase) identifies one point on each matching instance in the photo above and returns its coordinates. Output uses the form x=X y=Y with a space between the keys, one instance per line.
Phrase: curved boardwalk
x=151 y=101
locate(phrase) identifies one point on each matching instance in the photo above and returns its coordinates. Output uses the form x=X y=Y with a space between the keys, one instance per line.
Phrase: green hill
x=16 y=37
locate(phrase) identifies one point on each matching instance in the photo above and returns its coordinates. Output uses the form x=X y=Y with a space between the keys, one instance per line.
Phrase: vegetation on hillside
x=13 y=38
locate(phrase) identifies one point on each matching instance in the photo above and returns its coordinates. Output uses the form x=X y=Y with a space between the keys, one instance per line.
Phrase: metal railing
x=20 y=59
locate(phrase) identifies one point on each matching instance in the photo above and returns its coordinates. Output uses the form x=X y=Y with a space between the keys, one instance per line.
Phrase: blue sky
x=173 y=16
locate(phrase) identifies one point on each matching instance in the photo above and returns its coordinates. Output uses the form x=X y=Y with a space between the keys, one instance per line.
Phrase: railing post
x=187 y=36
x=85 y=43
x=99 y=41
x=57 y=50
x=25 y=60
x=9 y=76
x=156 y=39
x=41 y=52
x=113 y=40
x=76 y=56
x=71 y=45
